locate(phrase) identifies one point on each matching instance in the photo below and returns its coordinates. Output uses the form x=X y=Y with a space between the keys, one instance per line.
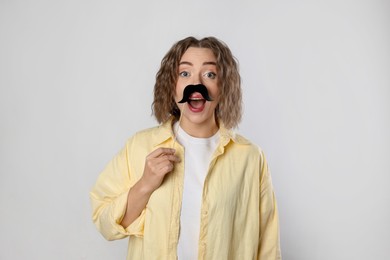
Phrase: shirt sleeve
x=269 y=244
x=109 y=199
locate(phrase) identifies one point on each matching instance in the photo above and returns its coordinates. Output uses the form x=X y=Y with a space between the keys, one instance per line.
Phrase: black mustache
x=195 y=88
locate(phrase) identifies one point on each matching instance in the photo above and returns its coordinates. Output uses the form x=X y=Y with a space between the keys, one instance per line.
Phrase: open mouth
x=196 y=103
x=195 y=96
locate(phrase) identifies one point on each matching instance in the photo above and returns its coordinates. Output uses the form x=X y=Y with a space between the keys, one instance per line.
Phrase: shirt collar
x=165 y=133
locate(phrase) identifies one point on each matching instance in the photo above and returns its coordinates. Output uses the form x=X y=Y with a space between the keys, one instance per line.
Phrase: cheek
x=178 y=91
x=214 y=92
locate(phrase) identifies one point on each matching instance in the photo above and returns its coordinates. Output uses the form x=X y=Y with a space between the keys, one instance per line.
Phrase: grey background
x=76 y=80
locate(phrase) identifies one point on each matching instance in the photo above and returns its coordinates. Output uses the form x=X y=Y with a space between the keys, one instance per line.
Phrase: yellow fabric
x=239 y=218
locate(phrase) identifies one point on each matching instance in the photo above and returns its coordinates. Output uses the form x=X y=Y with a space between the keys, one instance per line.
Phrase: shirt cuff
x=136 y=228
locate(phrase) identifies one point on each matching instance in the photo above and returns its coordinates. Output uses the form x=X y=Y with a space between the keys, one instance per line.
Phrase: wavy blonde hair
x=229 y=109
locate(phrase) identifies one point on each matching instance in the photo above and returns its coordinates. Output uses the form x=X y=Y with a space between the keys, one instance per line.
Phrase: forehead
x=198 y=54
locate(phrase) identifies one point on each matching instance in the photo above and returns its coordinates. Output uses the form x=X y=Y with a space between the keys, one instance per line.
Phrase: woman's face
x=198 y=66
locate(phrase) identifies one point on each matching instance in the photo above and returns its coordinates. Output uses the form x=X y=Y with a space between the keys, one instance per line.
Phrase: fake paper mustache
x=195 y=88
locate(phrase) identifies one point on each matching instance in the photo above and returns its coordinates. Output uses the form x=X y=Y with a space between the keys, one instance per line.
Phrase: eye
x=184 y=74
x=210 y=75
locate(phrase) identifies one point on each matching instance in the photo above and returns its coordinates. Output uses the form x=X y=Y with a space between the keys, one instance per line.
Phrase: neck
x=204 y=130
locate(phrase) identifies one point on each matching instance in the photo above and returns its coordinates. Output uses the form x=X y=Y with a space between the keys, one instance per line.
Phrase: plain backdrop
x=76 y=80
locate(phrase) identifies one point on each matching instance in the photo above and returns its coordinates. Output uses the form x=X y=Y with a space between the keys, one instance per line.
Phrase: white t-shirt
x=197 y=156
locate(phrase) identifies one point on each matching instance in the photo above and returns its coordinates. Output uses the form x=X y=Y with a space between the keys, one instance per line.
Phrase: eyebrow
x=204 y=63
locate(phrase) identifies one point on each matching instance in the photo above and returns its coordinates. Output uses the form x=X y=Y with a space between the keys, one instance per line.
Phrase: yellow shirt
x=239 y=217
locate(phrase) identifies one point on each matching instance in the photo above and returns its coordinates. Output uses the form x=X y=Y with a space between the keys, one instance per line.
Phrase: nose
x=197 y=79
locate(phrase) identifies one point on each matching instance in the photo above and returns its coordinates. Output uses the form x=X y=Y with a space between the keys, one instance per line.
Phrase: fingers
x=161 y=164
x=157 y=164
x=161 y=151
x=162 y=157
x=164 y=167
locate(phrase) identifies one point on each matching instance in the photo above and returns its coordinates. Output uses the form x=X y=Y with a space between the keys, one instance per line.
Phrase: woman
x=191 y=188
